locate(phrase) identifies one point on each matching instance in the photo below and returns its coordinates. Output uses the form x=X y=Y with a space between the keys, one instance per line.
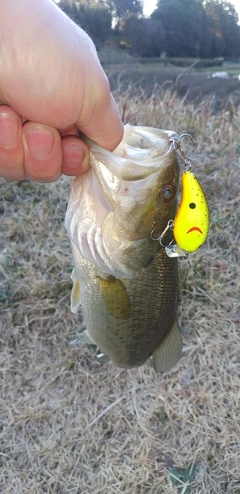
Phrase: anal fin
x=169 y=351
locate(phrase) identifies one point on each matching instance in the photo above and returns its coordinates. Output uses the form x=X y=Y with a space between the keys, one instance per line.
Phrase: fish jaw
x=110 y=219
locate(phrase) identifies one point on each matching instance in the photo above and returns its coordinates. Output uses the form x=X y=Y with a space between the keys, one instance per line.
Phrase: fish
x=192 y=221
x=126 y=285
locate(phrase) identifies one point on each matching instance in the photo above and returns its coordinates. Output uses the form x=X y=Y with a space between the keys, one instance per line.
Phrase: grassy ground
x=69 y=425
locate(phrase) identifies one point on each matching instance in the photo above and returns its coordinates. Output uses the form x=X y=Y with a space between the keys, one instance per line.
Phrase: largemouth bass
x=127 y=285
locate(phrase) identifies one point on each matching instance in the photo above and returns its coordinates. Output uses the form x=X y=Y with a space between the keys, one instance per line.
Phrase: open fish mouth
x=142 y=151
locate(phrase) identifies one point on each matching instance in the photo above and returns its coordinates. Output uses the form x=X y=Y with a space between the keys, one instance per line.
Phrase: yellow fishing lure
x=191 y=224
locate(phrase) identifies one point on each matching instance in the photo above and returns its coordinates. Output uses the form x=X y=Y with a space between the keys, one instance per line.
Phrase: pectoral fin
x=115 y=297
x=169 y=351
x=75 y=294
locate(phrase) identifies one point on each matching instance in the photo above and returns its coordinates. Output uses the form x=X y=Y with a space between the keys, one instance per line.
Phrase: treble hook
x=170 y=226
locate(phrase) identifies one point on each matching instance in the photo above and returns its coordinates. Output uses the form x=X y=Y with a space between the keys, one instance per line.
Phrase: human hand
x=51 y=86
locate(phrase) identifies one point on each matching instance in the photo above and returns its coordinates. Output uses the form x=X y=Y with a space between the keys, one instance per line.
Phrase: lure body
x=191 y=223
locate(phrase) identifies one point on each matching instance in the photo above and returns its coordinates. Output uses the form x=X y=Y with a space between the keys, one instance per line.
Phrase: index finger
x=103 y=123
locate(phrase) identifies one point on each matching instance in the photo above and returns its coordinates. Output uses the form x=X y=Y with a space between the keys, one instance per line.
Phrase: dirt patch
x=193 y=86
x=198 y=87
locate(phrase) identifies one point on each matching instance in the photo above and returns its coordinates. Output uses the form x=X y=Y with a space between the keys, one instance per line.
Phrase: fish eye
x=167 y=193
x=192 y=205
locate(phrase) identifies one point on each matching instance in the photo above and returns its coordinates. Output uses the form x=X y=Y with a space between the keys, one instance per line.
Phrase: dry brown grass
x=69 y=425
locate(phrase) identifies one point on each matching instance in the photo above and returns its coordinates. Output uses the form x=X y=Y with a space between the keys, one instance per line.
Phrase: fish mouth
x=195 y=228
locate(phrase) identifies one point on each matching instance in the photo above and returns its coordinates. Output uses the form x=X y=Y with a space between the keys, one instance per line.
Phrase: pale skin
x=51 y=86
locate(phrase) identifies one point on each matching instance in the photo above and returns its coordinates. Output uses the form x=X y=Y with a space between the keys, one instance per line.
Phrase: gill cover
x=191 y=224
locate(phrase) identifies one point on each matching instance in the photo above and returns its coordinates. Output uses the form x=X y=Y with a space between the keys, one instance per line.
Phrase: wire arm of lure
x=177 y=146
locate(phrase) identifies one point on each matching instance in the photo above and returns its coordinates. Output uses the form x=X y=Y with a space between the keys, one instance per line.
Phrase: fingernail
x=9 y=129
x=40 y=141
x=73 y=155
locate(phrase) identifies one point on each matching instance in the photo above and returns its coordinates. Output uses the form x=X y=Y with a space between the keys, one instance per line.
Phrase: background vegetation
x=177 y=28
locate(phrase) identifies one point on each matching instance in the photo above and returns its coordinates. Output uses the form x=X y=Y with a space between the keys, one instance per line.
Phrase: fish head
x=127 y=200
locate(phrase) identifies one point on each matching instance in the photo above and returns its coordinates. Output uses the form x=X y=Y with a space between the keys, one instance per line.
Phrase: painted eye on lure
x=191 y=223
